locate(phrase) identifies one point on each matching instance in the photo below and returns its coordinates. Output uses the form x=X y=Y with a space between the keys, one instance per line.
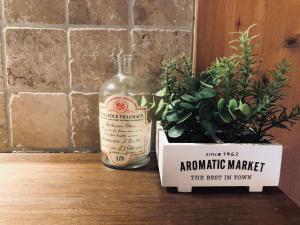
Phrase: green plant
x=187 y=104
x=249 y=101
x=184 y=104
x=231 y=99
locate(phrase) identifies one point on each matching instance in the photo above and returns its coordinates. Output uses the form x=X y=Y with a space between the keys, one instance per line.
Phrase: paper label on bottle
x=123 y=129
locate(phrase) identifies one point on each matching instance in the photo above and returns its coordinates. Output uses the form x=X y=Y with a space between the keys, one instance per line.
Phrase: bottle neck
x=125 y=65
x=129 y=65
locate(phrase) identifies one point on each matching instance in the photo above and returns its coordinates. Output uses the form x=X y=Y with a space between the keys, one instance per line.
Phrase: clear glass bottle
x=125 y=127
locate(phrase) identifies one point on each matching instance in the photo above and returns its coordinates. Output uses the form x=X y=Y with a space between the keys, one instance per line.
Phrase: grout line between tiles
x=160 y=29
x=85 y=93
x=17 y=93
x=51 y=92
x=69 y=78
x=64 y=25
x=72 y=141
x=91 y=26
x=7 y=91
x=130 y=25
x=164 y=28
x=96 y=28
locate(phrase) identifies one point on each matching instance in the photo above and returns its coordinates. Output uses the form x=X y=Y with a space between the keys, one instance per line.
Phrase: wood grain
x=64 y=189
x=278 y=25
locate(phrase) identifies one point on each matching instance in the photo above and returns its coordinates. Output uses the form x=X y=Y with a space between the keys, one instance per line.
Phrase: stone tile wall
x=55 y=54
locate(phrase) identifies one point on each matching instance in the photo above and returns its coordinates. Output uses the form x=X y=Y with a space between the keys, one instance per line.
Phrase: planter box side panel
x=253 y=165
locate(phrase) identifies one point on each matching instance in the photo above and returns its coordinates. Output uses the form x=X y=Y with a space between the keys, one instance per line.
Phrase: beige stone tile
x=3 y=124
x=151 y=48
x=101 y=12
x=93 y=56
x=85 y=120
x=36 y=59
x=163 y=13
x=39 y=120
x=34 y=11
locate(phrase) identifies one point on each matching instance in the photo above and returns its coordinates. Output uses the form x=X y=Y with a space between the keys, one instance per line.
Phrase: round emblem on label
x=120 y=106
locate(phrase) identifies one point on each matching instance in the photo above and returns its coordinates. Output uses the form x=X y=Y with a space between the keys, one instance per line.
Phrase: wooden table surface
x=76 y=189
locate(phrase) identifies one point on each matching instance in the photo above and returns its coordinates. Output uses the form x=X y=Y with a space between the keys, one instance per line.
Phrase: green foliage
x=249 y=101
x=231 y=99
x=185 y=105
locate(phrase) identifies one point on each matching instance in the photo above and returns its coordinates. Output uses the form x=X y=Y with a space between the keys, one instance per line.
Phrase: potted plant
x=214 y=128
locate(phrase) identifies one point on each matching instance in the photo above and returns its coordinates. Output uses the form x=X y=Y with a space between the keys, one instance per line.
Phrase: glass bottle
x=125 y=127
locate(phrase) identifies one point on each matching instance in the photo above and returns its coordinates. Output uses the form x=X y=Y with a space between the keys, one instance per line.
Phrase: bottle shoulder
x=124 y=85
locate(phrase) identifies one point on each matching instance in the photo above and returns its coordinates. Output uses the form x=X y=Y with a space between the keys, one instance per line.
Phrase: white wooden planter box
x=187 y=165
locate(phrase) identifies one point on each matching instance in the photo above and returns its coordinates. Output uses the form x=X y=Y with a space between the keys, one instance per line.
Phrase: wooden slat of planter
x=278 y=24
x=77 y=189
